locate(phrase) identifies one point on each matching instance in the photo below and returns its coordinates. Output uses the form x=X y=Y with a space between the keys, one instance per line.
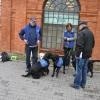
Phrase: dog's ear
x=47 y=55
x=56 y=56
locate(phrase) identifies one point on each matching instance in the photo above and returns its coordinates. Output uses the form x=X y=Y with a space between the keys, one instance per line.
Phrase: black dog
x=35 y=71
x=57 y=64
x=40 y=68
x=5 y=57
x=90 y=65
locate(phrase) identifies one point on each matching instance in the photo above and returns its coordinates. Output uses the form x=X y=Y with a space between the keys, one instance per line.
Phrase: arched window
x=57 y=13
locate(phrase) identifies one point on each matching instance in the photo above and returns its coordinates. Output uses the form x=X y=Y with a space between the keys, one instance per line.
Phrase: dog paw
x=91 y=76
x=64 y=72
x=47 y=72
x=52 y=75
x=23 y=75
x=27 y=75
x=56 y=76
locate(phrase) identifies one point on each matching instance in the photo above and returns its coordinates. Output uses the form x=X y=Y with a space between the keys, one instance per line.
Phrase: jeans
x=81 y=72
x=34 y=51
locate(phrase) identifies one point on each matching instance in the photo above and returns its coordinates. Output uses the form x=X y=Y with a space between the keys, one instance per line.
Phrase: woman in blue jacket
x=69 y=43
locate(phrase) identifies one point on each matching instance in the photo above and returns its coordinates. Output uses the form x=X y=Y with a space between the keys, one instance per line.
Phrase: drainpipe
x=10 y=24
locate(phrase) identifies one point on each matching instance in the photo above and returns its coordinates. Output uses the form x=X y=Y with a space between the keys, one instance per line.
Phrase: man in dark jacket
x=30 y=34
x=84 y=45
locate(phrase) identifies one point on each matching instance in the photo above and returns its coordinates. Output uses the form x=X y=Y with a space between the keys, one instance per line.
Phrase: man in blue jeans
x=84 y=45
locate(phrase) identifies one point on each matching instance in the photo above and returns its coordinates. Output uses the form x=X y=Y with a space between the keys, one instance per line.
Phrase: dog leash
x=38 y=49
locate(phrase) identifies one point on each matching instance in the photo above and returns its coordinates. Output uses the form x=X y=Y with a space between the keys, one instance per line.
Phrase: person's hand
x=65 y=38
x=90 y=58
x=25 y=41
x=38 y=42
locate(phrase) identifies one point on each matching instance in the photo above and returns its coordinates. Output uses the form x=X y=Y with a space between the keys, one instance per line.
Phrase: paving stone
x=15 y=87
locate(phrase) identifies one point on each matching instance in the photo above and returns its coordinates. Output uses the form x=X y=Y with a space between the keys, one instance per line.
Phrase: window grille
x=57 y=13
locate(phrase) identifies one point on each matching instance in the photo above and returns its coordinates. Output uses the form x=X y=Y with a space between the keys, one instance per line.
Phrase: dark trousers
x=67 y=54
x=74 y=60
x=34 y=51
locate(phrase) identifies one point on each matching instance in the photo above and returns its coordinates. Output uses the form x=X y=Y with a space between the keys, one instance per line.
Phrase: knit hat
x=82 y=22
x=33 y=19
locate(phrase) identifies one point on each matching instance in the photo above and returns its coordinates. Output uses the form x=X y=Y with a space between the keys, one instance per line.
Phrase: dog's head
x=41 y=55
x=5 y=57
x=47 y=55
x=54 y=57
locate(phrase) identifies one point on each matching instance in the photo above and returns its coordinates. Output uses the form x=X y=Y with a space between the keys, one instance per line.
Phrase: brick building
x=51 y=15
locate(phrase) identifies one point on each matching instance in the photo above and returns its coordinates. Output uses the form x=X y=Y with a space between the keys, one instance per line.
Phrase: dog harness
x=60 y=62
x=43 y=62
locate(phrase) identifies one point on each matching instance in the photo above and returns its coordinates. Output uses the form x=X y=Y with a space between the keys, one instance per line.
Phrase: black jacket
x=85 y=43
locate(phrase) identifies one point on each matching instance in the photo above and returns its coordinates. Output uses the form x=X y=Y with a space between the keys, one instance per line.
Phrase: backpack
x=5 y=57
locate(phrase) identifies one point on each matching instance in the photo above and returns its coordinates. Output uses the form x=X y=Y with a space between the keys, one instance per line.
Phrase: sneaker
x=75 y=87
x=83 y=87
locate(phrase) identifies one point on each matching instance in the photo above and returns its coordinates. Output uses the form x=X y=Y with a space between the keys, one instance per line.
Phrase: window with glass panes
x=57 y=13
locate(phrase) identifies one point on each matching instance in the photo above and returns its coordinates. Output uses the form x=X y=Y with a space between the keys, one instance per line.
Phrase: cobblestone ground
x=15 y=87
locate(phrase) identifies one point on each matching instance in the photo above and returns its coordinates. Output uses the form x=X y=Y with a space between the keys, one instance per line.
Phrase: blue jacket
x=70 y=41
x=31 y=34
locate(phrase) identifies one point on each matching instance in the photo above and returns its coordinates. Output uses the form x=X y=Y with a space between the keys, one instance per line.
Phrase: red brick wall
x=18 y=21
x=5 y=25
x=90 y=11
x=15 y=14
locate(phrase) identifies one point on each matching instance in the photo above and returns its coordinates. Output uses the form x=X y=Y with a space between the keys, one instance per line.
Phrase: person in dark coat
x=30 y=34
x=84 y=46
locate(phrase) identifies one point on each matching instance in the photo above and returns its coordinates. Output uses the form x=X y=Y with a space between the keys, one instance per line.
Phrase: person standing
x=69 y=43
x=31 y=35
x=84 y=46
